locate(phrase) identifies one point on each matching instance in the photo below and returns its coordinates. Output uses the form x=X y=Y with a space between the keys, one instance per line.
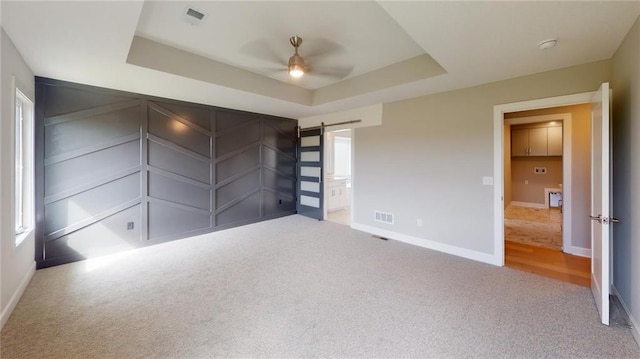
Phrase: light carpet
x=296 y=287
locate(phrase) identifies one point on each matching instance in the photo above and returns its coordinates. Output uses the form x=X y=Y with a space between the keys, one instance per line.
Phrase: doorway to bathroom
x=338 y=176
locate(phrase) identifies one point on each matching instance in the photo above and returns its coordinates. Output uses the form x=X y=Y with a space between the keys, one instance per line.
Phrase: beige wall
x=17 y=263
x=626 y=173
x=530 y=187
x=580 y=167
x=428 y=158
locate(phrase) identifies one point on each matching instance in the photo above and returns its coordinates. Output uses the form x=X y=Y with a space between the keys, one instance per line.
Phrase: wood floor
x=548 y=262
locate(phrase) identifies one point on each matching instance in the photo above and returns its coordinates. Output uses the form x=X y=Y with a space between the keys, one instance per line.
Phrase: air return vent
x=383 y=217
x=195 y=14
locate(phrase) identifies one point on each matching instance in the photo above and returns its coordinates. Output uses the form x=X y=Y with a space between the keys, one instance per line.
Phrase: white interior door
x=600 y=201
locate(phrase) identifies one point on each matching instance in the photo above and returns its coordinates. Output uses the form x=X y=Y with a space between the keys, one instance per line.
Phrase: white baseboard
x=15 y=298
x=578 y=251
x=635 y=328
x=528 y=204
x=425 y=243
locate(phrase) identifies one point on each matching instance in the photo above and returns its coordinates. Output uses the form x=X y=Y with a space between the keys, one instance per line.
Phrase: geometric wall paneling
x=71 y=213
x=275 y=135
x=178 y=130
x=95 y=167
x=278 y=168
x=67 y=99
x=238 y=189
x=237 y=138
x=279 y=161
x=274 y=203
x=166 y=220
x=117 y=170
x=104 y=237
x=179 y=170
x=229 y=119
x=176 y=189
x=197 y=114
x=244 y=210
x=166 y=156
x=81 y=132
x=228 y=166
x=278 y=182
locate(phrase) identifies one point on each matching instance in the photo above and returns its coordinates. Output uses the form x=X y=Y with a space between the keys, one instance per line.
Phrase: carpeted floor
x=534 y=226
x=296 y=287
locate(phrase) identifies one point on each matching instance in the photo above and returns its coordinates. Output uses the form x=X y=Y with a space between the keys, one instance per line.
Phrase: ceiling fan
x=323 y=59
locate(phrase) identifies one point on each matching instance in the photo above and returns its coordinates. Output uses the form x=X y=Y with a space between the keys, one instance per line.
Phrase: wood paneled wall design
x=117 y=170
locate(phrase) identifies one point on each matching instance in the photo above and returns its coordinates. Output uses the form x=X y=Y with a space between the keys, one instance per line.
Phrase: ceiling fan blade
x=335 y=72
x=262 y=49
x=313 y=49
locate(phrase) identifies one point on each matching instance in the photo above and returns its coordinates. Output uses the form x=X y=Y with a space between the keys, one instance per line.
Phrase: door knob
x=598 y=218
x=614 y=220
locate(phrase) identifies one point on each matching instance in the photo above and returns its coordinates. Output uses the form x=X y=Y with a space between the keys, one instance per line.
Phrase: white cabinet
x=545 y=141
x=336 y=196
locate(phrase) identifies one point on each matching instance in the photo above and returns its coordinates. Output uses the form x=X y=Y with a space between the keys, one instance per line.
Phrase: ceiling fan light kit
x=296 y=67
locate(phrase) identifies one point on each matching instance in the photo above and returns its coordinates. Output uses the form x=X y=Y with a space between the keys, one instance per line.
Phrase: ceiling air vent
x=193 y=16
x=195 y=13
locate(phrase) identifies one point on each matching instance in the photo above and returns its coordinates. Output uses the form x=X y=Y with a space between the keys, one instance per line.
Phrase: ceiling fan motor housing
x=297 y=66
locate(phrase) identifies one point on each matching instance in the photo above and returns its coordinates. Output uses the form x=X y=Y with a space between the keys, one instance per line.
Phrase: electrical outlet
x=129 y=226
x=419 y=222
x=526 y=181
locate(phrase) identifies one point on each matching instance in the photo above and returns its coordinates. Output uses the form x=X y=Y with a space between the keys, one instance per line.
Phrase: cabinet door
x=554 y=147
x=538 y=142
x=519 y=142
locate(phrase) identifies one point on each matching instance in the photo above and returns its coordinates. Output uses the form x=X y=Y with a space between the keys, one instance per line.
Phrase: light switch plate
x=487 y=181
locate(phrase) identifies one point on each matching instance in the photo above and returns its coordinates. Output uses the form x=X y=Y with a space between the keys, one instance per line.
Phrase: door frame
x=498 y=155
x=566 y=172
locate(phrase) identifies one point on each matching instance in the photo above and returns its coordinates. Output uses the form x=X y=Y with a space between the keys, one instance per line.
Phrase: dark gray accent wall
x=117 y=170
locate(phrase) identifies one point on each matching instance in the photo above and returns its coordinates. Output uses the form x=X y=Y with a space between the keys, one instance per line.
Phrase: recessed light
x=547 y=44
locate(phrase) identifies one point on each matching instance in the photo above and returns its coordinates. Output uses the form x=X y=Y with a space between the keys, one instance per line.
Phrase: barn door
x=310 y=201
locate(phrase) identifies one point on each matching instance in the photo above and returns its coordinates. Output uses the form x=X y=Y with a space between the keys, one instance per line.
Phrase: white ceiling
x=474 y=42
x=255 y=36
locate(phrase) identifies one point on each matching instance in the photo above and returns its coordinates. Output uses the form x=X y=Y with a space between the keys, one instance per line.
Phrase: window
x=23 y=154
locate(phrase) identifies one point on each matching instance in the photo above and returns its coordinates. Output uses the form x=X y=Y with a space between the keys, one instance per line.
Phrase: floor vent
x=383 y=217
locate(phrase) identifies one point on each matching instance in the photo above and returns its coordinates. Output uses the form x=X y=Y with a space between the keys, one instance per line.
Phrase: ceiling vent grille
x=195 y=14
